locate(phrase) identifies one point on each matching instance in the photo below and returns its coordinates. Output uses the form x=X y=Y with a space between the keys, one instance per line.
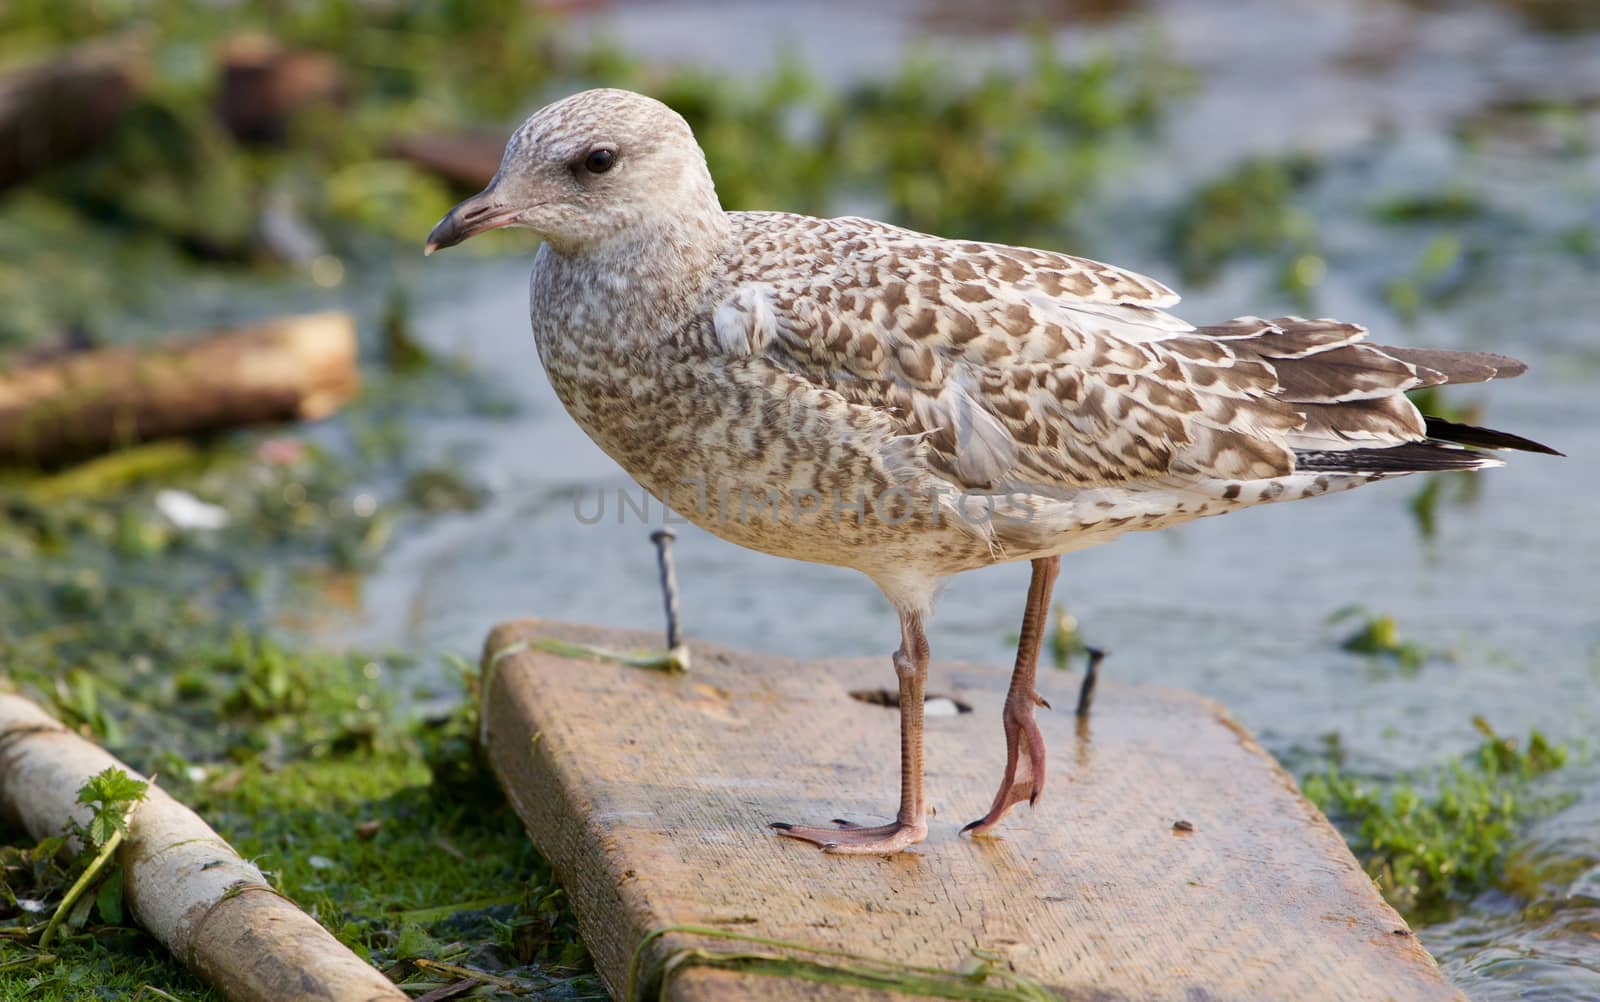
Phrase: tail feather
x=1458 y=366
x=1350 y=395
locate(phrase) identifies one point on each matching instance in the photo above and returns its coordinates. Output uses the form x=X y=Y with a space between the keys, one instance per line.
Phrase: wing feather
x=1007 y=368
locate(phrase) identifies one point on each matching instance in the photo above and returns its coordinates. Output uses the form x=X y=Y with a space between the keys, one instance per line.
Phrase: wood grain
x=649 y=793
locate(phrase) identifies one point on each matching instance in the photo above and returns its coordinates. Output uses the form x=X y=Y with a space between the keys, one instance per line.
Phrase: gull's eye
x=599 y=161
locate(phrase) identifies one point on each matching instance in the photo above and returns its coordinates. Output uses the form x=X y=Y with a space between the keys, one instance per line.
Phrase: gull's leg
x=911 y=824
x=1024 y=775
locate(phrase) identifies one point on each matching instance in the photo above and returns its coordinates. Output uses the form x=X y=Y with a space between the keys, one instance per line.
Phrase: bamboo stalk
x=182 y=882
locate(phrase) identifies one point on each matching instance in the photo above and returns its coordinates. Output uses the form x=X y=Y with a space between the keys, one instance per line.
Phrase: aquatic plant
x=1378 y=635
x=1434 y=839
x=1252 y=210
x=1010 y=156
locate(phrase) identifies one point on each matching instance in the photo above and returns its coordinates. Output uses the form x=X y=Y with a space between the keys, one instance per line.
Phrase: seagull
x=852 y=393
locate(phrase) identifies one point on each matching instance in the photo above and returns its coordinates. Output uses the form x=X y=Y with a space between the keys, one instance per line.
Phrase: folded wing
x=1019 y=369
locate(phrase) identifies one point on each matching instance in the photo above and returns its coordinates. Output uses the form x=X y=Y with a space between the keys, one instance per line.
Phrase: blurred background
x=1423 y=654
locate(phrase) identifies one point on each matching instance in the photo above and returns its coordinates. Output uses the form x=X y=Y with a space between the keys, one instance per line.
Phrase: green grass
x=383 y=825
x=118 y=963
x=161 y=644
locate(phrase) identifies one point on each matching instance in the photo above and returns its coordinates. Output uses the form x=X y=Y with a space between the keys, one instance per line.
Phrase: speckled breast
x=738 y=451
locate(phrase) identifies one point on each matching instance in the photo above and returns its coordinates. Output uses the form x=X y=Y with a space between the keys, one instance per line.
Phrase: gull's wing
x=1019 y=369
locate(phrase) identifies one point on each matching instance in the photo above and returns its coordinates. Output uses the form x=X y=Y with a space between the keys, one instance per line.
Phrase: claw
x=1024 y=777
x=854 y=839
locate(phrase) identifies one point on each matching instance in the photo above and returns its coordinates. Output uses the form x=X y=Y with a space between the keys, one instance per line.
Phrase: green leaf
x=105 y=824
x=80 y=913
x=109 y=900
x=112 y=793
x=112 y=786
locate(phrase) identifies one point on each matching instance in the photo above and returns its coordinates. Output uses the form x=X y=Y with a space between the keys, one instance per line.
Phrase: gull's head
x=588 y=170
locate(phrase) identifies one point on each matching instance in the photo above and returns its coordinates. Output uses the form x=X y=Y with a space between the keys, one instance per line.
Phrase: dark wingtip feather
x=1412 y=457
x=1484 y=438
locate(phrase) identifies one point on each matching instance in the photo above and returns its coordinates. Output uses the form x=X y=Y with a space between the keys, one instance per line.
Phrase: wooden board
x=649 y=793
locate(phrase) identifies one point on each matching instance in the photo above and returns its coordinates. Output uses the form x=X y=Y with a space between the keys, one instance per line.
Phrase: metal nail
x=669 y=584
x=1091 y=674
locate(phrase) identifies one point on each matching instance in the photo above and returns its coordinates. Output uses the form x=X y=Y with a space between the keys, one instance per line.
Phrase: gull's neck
x=632 y=294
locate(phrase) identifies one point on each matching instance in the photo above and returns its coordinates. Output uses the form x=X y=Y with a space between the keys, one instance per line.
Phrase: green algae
x=985 y=978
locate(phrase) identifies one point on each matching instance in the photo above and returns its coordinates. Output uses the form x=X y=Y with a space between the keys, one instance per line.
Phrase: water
x=1236 y=607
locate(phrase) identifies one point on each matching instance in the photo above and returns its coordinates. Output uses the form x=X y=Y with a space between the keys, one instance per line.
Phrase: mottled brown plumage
x=849 y=392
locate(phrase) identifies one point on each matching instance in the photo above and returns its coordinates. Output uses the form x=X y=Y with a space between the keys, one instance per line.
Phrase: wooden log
x=54 y=110
x=265 y=84
x=181 y=880
x=649 y=793
x=294 y=368
x=466 y=159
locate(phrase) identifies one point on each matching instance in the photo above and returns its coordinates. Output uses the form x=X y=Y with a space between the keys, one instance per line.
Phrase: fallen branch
x=465 y=159
x=295 y=368
x=54 y=110
x=182 y=882
x=266 y=83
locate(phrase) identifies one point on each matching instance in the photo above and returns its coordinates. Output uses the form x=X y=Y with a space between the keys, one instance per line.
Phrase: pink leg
x=1024 y=775
x=911 y=824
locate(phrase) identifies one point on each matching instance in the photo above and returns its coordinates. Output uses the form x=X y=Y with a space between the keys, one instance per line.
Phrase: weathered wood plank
x=650 y=793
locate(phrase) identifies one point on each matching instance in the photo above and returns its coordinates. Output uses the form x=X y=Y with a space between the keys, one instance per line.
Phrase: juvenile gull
x=852 y=393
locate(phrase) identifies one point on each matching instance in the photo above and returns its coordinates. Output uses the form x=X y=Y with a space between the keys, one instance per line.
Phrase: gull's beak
x=482 y=211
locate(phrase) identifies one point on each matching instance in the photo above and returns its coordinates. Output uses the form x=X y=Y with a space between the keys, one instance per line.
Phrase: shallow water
x=1236 y=607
